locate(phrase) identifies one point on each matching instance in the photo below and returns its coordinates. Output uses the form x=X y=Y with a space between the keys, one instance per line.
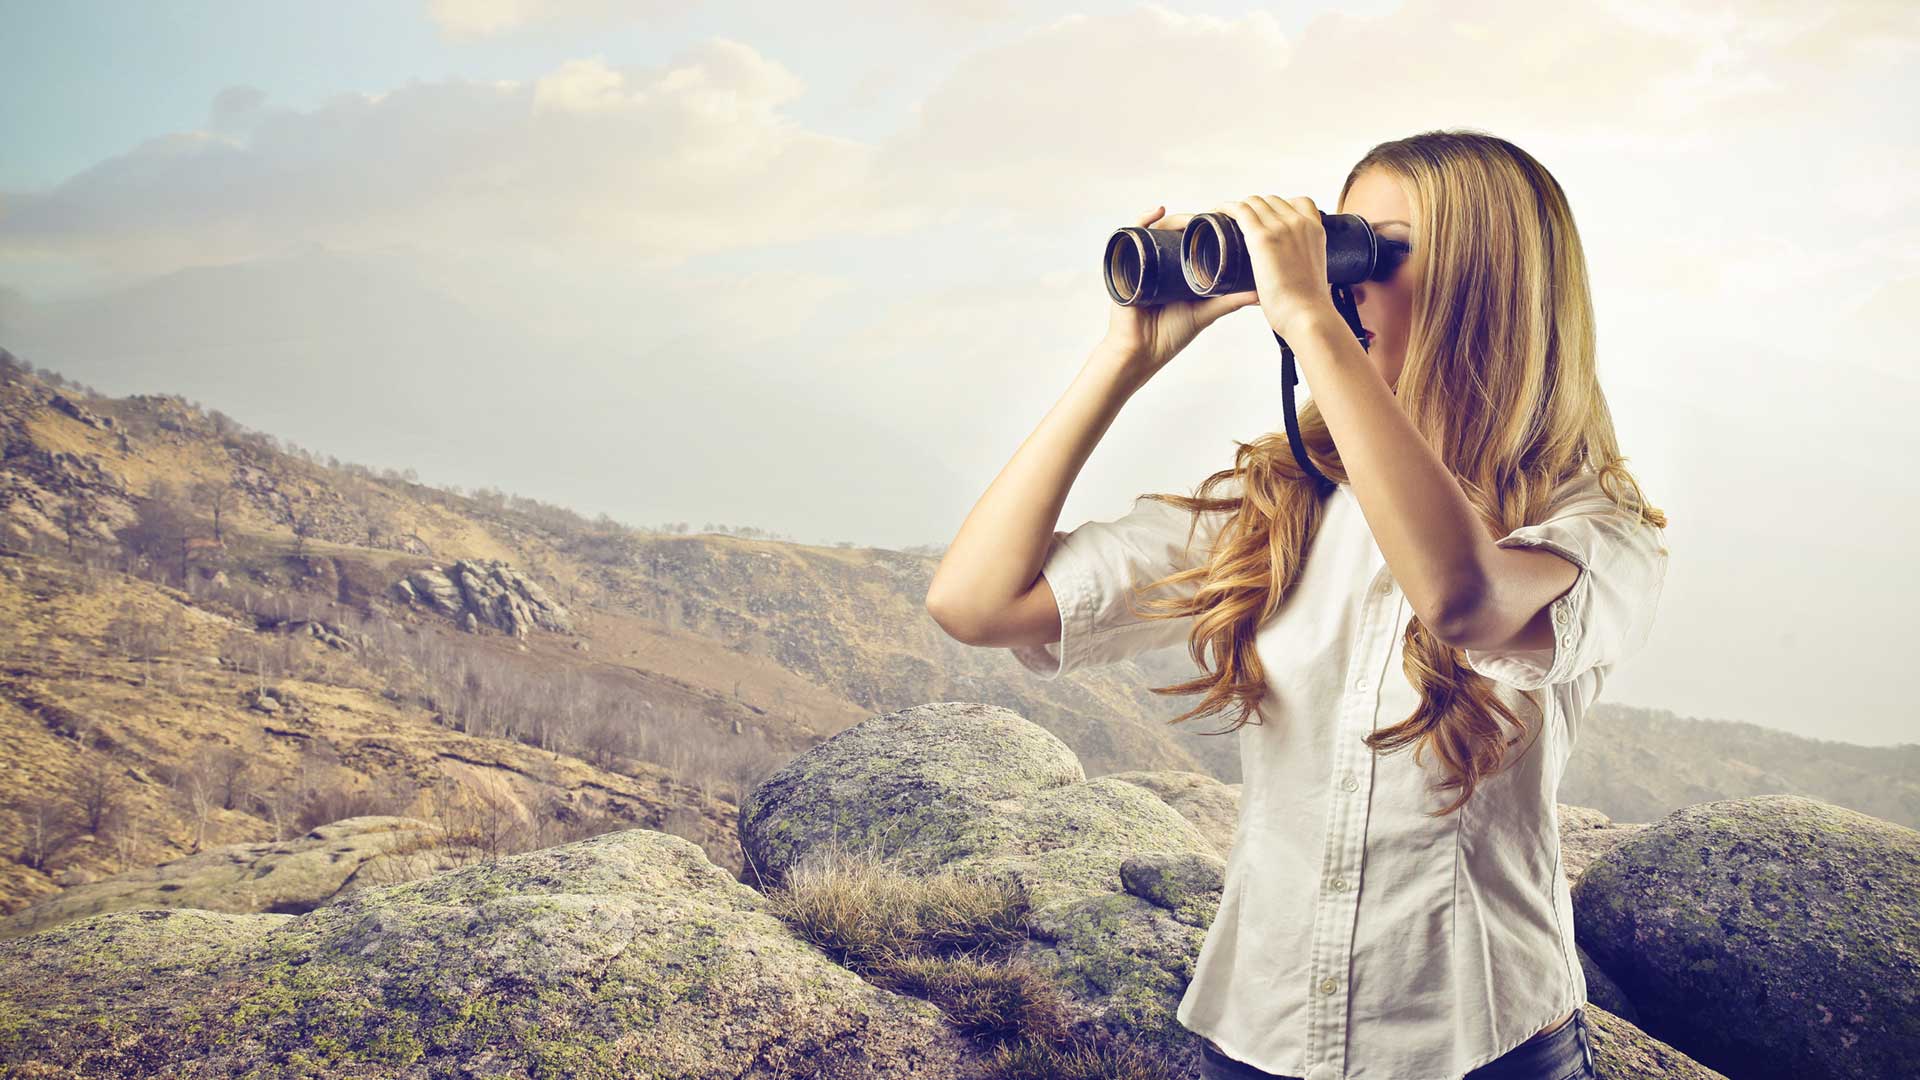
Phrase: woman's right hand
x=1151 y=336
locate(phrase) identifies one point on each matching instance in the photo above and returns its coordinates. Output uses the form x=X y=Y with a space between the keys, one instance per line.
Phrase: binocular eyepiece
x=1148 y=267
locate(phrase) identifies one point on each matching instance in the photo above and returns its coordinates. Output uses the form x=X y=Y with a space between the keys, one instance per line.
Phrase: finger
x=1240 y=212
x=1177 y=222
x=1281 y=209
x=1152 y=215
x=1263 y=211
x=1215 y=306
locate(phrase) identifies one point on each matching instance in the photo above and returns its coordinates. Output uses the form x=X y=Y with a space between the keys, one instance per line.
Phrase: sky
x=821 y=268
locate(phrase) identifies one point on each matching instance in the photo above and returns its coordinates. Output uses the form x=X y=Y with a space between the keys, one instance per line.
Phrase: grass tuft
x=953 y=938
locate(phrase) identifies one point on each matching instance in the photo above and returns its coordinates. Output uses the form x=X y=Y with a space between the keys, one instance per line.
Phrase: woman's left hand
x=1287 y=245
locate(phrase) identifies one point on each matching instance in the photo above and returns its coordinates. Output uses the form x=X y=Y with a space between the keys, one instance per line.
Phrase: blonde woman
x=1408 y=656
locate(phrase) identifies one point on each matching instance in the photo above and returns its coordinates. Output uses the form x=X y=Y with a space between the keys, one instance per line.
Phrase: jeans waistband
x=1552 y=1054
x=1543 y=1055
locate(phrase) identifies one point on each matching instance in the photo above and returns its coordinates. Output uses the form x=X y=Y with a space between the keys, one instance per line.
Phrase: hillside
x=213 y=638
x=161 y=565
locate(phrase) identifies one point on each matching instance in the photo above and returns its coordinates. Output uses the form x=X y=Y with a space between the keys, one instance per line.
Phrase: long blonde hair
x=1499 y=377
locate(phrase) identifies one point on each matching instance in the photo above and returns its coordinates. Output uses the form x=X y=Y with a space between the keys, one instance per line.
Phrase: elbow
x=953 y=622
x=1458 y=618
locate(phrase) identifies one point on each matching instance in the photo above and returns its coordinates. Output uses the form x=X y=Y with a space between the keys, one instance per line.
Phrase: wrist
x=1311 y=320
x=1122 y=362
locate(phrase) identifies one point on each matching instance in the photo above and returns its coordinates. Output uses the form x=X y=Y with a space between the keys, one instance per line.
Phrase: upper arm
x=1090 y=574
x=1576 y=591
x=1032 y=619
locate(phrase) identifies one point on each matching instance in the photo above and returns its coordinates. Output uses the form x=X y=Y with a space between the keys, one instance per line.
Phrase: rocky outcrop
x=489 y=592
x=1738 y=931
x=626 y=954
x=81 y=413
x=1213 y=807
x=289 y=876
x=1768 y=937
x=1123 y=887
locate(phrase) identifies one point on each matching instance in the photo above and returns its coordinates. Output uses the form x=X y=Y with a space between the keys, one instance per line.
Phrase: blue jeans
x=1565 y=1053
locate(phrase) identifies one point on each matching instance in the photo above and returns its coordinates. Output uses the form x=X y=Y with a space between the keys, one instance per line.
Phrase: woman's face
x=1385 y=306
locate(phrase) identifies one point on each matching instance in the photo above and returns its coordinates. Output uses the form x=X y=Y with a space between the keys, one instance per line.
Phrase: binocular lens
x=1203 y=250
x=1124 y=265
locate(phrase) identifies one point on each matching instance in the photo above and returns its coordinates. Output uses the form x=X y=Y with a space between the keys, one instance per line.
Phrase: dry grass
x=954 y=939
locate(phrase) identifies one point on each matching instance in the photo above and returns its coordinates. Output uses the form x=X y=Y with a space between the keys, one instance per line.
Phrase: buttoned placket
x=1348 y=801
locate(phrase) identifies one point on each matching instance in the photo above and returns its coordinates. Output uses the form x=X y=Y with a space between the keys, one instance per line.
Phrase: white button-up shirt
x=1358 y=937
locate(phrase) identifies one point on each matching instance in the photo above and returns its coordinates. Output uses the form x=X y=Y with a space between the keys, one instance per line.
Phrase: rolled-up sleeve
x=1607 y=614
x=1093 y=570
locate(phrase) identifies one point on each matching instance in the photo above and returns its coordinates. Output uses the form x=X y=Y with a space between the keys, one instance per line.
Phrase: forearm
x=1431 y=536
x=999 y=549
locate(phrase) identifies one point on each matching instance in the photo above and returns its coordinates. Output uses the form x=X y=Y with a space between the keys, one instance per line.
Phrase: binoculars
x=1148 y=267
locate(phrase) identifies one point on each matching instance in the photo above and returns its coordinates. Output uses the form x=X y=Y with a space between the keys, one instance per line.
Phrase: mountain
x=348 y=643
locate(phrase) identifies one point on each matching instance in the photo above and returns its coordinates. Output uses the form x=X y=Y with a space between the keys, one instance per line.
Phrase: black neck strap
x=1344 y=303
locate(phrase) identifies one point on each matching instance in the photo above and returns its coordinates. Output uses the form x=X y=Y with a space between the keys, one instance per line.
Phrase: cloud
x=645 y=165
x=234 y=108
x=467 y=19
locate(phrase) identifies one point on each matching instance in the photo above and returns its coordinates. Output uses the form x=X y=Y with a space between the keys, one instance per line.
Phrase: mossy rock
x=625 y=954
x=283 y=877
x=1123 y=886
x=1622 y=1051
x=1768 y=937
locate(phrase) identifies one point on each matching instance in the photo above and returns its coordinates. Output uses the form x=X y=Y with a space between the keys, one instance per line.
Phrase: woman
x=1409 y=655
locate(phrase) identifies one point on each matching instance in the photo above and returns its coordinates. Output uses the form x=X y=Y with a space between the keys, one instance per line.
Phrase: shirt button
x=1328 y=985
x=1350 y=783
x=1567 y=640
x=1339 y=884
x=1386 y=587
x=1560 y=615
x=1360 y=683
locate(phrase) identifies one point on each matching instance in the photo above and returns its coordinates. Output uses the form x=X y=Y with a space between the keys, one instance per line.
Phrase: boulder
x=1213 y=807
x=1123 y=887
x=1622 y=1051
x=287 y=876
x=625 y=954
x=1767 y=937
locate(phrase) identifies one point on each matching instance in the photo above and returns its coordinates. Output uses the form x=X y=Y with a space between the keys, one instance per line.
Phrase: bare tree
x=98 y=794
x=162 y=523
x=75 y=513
x=137 y=636
x=47 y=826
x=195 y=783
x=232 y=771
x=213 y=496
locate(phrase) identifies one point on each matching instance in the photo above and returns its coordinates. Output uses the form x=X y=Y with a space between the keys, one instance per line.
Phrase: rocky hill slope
x=209 y=638
x=1750 y=939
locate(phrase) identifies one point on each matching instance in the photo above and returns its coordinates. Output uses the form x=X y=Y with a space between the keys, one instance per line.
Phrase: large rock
x=625 y=954
x=1213 y=807
x=489 y=591
x=961 y=786
x=1123 y=887
x=1768 y=937
x=286 y=877
x=1622 y=1051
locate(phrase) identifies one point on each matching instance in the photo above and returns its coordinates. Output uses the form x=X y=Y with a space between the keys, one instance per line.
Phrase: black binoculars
x=1148 y=267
